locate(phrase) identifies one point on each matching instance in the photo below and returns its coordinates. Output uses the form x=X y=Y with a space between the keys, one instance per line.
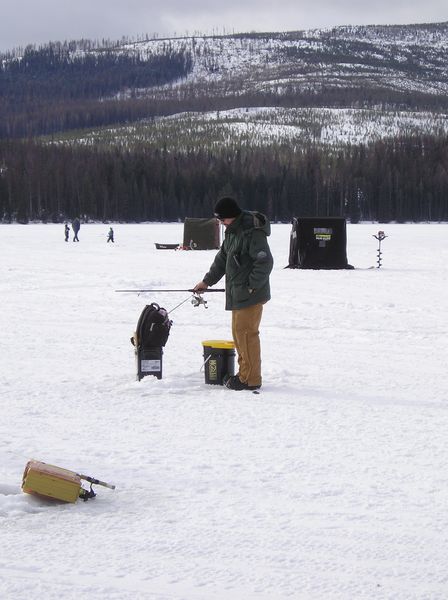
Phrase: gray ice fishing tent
x=201 y=234
x=318 y=243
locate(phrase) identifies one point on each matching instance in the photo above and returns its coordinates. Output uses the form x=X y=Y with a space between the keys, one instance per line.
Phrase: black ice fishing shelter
x=201 y=234
x=318 y=243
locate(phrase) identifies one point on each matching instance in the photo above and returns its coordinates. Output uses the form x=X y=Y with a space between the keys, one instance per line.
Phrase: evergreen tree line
x=50 y=89
x=32 y=119
x=53 y=72
x=401 y=179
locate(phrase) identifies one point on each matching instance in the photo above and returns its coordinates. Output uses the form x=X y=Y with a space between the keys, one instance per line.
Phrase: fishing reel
x=197 y=300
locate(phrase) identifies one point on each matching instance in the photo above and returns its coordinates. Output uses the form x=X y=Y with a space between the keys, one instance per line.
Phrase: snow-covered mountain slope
x=345 y=85
x=291 y=128
x=407 y=58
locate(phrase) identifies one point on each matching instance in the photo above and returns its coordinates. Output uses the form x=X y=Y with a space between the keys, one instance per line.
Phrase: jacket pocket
x=241 y=293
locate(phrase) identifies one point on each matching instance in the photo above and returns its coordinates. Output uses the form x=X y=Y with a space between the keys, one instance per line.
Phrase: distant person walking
x=66 y=232
x=76 y=225
x=110 y=236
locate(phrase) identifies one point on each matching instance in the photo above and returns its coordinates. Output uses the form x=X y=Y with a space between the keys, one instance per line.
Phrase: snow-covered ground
x=330 y=484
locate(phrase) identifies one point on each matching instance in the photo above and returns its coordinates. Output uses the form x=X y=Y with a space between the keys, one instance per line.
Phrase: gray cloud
x=39 y=21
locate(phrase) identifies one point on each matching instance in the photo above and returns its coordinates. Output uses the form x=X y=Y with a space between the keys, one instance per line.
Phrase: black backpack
x=153 y=327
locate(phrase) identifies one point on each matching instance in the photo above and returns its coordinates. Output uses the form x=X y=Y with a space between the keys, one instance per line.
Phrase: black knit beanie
x=227 y=208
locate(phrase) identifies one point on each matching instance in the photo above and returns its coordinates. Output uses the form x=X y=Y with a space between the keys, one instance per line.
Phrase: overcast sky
x=25 y=22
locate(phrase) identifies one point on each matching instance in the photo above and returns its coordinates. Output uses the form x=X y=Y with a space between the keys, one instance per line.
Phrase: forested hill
x=61 y=86
x=349 y=121
x=69 y=85
x=54 y=73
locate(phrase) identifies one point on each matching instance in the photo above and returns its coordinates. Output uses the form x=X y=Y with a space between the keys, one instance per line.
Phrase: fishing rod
x=160 y=291
x=196 y=298
x=87 y=494
x=96 y=481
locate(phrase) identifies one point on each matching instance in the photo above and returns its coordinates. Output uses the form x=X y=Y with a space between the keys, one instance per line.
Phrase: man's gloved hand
x=200 y=287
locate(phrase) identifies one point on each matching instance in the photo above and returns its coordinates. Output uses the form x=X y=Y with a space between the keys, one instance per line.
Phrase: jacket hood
x=252 y=219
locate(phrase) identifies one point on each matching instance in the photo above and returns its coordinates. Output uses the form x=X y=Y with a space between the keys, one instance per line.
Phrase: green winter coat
x=246 y=261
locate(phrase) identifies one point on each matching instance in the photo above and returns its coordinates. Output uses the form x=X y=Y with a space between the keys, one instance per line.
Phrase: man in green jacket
x=246 y=261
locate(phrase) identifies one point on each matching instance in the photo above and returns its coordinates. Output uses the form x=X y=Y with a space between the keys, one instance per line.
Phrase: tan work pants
x=245 y=324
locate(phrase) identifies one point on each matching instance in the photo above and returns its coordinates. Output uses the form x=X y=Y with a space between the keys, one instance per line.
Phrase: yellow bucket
x=219 y=360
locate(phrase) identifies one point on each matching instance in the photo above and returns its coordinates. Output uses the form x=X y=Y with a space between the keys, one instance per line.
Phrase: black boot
x=235 y=383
